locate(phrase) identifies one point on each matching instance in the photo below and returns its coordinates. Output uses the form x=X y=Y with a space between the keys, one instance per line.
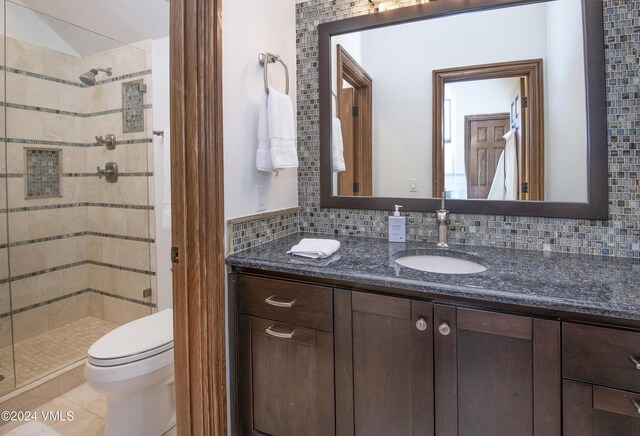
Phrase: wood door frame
x=197 y=194
x=348 y=69
x=532 y=70
x=468 y=119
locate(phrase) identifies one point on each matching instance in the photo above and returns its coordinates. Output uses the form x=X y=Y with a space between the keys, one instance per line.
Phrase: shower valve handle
x=110 y=172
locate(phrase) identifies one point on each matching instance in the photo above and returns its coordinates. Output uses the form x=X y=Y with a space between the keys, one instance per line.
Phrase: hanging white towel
x=281 y=131
x=337 y=146
x=505 y=182
x=315 y=248
x=166 y=178
x=263 y=155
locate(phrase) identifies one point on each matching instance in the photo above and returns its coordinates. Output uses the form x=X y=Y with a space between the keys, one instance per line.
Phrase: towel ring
x=265 y=59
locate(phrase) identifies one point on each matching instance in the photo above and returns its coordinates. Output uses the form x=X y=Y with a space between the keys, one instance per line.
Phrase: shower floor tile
x=50 y=351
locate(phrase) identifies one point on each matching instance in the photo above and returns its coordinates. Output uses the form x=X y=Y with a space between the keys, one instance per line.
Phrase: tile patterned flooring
x=89 y=413
x=48 y=352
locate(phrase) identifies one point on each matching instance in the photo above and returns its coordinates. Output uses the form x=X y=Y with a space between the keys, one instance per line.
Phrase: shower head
x=89 y=78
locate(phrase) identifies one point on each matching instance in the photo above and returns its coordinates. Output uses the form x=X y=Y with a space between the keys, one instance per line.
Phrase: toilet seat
x=135 y=341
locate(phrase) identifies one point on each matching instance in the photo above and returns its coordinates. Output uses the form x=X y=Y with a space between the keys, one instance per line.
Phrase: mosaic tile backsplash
x=43 y=173
x=132 y=107
x=620 y=236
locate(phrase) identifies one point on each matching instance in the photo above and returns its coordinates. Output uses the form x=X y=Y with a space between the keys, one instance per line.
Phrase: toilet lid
x=139 y=337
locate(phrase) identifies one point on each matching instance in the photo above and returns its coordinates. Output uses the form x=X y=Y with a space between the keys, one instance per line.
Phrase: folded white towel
x=337 y=146
x=315 y=248
x=281 y=131
x=263 y=155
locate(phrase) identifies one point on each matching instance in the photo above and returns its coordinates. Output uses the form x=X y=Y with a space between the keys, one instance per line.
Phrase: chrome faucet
x=442 y=218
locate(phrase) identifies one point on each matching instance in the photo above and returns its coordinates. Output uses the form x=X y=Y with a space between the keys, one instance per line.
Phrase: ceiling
x=123 y=20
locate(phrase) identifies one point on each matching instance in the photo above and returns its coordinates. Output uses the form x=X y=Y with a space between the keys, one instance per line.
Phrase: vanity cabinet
x=318 y=359
x=495 y=374
x=285 y=358
x=407 y=367
x=384 y=365
x=601 y=386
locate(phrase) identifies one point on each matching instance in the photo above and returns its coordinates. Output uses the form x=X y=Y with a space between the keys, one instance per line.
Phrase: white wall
x=566 y=117
x=252 y=27
x=26 y=25
x=160 y=89
x=470 y=98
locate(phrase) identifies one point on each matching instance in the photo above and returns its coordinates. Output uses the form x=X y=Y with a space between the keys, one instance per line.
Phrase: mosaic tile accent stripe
x=75 y=294
x=122 y=297
x=72 y=114
x=76 y=235
x=124 y=77
x=70 y=205
x=247 y=232
x=620 y=236
x=71 y=83
x=74 y=264
x=72 y=144
x=20 y=175
x=77 y=84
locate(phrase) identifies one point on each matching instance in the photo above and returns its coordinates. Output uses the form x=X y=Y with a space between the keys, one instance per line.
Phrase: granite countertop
x=591 y=285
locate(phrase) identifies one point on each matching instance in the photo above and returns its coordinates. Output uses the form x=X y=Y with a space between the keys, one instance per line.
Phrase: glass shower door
x=76 y=242
x=7 y=364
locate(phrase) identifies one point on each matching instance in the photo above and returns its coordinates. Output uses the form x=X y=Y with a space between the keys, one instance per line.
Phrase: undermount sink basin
x=440 y=264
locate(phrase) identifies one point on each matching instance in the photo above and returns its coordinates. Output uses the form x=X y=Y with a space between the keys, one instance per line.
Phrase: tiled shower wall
x=90 y=250
x=617 y=237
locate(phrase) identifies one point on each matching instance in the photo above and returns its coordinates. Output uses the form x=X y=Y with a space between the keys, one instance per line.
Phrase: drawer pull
x=635 y=361
x=636 y=405
x=272 y=301
x=276 y=334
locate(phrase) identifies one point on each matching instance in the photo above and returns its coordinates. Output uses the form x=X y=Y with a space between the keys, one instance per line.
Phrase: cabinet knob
x=421 y=324
x=444 y=329
x=635 y=361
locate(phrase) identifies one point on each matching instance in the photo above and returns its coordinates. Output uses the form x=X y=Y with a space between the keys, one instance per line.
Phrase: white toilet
x=133 y=367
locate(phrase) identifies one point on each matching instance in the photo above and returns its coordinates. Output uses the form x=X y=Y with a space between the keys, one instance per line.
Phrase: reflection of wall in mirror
x=565 y=117
x=470 y=98
x=407 y=55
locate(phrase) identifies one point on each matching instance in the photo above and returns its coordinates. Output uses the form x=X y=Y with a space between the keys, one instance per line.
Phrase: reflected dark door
x=483 y=146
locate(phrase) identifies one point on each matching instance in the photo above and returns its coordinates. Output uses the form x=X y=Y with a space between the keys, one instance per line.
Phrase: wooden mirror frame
x=596 y=206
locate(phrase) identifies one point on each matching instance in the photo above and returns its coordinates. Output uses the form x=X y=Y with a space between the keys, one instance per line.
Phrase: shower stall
x=77 y=251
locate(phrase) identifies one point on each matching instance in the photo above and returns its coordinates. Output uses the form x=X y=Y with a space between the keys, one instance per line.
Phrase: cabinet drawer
x=294 y=303
x=616 y=401
x=601 y=356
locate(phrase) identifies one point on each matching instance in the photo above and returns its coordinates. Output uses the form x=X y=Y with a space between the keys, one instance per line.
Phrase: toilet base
x=148 y=412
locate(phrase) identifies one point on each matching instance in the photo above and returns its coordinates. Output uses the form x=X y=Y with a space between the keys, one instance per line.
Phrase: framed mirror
x=500 y=106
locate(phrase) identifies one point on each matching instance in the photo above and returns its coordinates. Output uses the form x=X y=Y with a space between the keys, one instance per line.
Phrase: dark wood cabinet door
x=496 y=374
x=384 y=365
x=285 y=379
x=590 y=410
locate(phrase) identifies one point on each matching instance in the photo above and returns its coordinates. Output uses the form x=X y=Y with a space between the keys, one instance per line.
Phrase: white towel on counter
x=282 y=132
x=166 y=178
x=315 y=248
x=263 y=155
x=505 y=182
x=337 y=146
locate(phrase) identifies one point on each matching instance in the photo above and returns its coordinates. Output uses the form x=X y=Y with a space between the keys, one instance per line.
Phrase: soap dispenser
x=397 y=226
